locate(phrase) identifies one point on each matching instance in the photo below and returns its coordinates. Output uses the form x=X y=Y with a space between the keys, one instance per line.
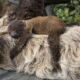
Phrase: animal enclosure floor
x=10 y=75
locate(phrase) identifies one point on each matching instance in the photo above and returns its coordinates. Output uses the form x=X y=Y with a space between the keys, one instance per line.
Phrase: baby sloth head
x=16 y=28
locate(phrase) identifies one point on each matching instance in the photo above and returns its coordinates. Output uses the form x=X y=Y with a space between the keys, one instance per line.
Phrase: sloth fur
x=7 y=14
x=36 y=57
x=28 y=9
x=6 y=44
x=4 y=23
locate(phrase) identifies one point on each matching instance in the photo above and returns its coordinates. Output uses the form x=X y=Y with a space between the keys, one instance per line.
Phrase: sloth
x=36 y=58
x=7 y=8
x=7 y=14
x=28 y=9
x=10 y=11
x=23 y=30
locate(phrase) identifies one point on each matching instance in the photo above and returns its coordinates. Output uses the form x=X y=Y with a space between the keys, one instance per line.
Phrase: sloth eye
x=15 y=34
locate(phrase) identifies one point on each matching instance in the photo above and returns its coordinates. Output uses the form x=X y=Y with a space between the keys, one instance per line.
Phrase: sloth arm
x=42 y=26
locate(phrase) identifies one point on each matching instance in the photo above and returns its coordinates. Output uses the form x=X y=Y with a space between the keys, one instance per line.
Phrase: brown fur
x=7 y=8
x=30 y=8
x=51 y=26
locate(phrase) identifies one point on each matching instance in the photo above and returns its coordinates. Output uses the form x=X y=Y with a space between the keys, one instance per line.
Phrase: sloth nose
x=15 y=35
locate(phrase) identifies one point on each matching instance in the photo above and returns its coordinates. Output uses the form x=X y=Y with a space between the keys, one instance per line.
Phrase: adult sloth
x=36 y=57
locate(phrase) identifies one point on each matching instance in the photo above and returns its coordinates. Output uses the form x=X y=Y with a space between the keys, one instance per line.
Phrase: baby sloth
x=23 y=30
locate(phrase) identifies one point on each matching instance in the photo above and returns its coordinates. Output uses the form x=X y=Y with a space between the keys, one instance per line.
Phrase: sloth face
x=12 y=15
x=16 y=29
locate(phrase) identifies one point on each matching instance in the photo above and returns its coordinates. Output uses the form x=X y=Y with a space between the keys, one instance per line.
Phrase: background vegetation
x=69 y=13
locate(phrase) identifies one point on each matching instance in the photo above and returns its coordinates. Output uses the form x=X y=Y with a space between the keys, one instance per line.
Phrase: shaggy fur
x=25 y=10
x=7 y=14
x=36 y=58
x=7 y=8
x=3 y=23
x=6 y=44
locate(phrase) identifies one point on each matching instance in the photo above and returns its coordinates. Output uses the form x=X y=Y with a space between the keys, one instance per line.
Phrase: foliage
x=69 y=13
x=1 y=1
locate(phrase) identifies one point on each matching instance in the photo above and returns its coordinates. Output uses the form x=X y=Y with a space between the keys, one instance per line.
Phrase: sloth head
x=16 y=28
